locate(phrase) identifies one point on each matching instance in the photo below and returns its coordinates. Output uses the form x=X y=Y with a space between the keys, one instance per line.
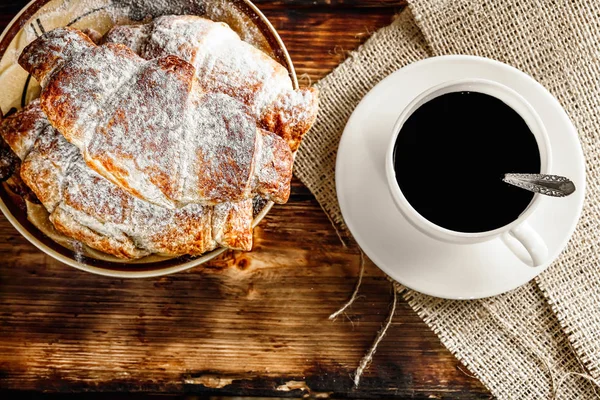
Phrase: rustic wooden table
x=247 y=324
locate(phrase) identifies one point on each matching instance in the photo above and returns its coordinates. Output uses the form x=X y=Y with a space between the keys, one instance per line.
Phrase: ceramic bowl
x=18 y=89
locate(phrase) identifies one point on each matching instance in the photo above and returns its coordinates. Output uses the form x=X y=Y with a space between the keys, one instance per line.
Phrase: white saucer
x=454 y=271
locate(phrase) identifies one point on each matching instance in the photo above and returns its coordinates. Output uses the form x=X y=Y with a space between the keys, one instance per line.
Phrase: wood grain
x=267 y=4
x=246 y=324
x=320 y=38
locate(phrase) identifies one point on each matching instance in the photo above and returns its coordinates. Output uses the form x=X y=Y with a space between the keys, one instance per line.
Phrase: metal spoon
x=549 y=185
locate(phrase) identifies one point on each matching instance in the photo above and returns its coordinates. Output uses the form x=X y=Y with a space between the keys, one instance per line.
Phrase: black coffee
x=451 y=155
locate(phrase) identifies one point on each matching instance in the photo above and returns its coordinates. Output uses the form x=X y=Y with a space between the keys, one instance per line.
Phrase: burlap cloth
x=540 y=340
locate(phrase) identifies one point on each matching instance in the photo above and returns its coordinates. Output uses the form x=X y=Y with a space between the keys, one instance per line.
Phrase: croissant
x=85 y=206
x=148 y=126
x=226 y=64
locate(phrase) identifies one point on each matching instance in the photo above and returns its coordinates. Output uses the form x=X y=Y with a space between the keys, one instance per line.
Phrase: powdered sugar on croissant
x=85 y=206
x=150 y=128
x=226 y=64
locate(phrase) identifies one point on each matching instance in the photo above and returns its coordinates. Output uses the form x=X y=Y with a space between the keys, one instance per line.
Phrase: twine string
x=557 y=383
x=356 y=289
x=368 y=357
x=366 y=360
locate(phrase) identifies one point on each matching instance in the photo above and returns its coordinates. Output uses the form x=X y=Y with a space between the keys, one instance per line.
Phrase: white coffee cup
x=518 y=235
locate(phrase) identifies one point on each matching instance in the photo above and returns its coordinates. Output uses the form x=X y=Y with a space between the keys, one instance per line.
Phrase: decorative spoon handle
x=549 y=185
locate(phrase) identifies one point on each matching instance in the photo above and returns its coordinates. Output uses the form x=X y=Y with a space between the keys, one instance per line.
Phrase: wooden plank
x=320 y=38
x=246 y=324
x=330 y=3
x=17 y=4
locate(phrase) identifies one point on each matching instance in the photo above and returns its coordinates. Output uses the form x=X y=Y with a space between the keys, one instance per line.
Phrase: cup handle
x=531 y=241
